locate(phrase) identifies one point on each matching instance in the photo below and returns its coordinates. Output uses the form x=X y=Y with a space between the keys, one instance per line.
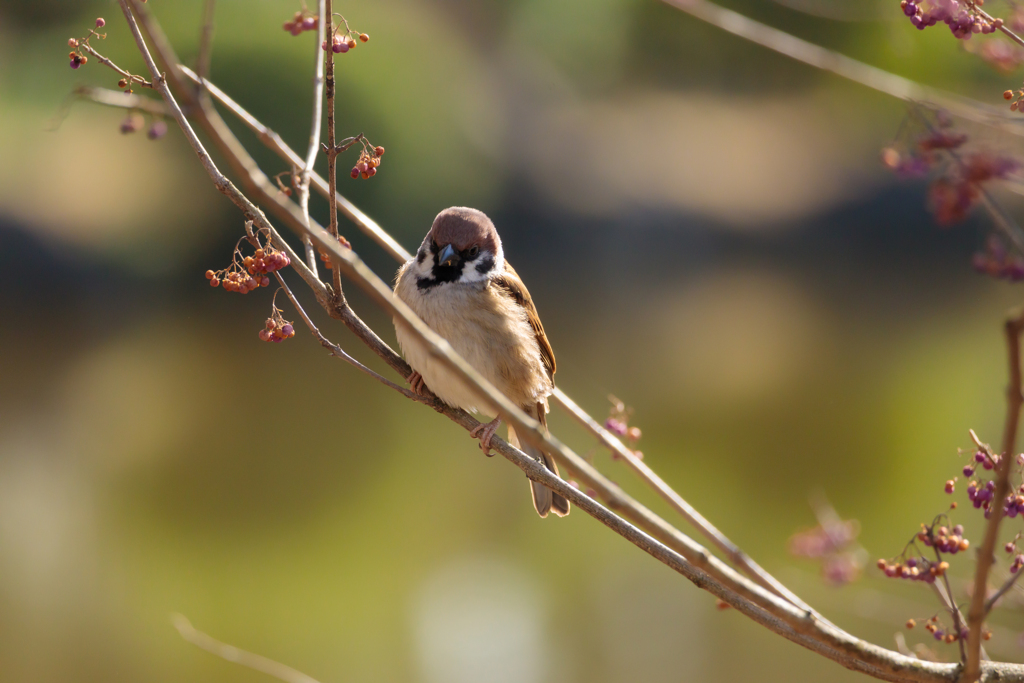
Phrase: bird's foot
x=485 y=432
x=416 y=383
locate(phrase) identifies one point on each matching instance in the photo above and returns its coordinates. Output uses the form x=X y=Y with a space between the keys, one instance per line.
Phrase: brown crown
x=463 y=227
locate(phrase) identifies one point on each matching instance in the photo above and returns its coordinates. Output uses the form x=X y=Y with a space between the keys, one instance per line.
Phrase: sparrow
x=461 y=286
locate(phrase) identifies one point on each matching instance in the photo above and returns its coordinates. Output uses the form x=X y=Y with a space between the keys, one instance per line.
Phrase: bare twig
x=314 y=134
x=139 y=80
x=945 y=592
x=108 y=98
x=332 y=141
x=841 y=65
x=237 y=655
x=335 y=349
x=1007 y=585
x=688 y=512
x=205 y=42
x=986 y=554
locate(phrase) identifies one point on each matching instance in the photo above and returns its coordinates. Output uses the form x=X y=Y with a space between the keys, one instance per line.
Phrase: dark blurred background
x=707 y=233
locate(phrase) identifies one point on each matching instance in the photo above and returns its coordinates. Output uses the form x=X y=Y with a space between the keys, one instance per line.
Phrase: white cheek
x=471 y=274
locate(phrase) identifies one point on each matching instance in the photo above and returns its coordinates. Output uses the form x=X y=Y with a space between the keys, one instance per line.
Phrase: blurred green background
x=706 y=232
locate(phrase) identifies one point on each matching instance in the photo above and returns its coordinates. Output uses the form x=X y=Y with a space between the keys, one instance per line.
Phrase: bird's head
x=462 y=246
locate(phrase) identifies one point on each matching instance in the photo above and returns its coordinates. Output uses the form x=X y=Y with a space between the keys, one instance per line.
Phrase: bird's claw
x=485 y=432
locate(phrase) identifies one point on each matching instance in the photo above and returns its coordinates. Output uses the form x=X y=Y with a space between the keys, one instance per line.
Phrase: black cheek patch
x=486 y=265
x=420 y=256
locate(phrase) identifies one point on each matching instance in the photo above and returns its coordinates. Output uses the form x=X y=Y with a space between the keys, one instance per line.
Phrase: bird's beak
x=448 y=256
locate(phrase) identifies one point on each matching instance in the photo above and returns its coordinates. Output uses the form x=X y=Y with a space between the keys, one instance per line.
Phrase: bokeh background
x=707 y=233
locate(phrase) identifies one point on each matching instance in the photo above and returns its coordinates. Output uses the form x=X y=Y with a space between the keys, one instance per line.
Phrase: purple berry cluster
x=134 y=122
x=995 y=261
x=302 y=21
x=961 y=18
x=277 y=328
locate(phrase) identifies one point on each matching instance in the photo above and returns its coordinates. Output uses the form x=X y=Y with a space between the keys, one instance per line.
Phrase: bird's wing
x=509 y=284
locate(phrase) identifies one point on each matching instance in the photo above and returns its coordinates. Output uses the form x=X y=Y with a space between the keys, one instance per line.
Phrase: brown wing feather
x=509 y=283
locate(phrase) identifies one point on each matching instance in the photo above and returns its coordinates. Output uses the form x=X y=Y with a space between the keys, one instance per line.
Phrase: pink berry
x=100 y=23
x=157 y=130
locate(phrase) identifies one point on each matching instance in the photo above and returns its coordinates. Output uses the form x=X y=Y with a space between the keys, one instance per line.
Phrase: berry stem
x=332 y=154
x=103 y=60
x=947 y=599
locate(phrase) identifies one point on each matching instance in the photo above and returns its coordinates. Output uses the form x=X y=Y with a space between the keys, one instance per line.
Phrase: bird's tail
x=544 y=499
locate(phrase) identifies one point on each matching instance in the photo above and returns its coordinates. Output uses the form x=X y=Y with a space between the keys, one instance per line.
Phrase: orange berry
x=260 y=253
x=378 y=150
x=1008 y=94
x=210 y=275
x=83 y=59
x=123 y=83
x=214 y=282
x=351 y=43
x=911 y=623
x=363 y=37
x=72 y=54
x=364 y=175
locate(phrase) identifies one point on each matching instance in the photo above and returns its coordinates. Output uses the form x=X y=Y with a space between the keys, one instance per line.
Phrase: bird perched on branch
x=461 y=286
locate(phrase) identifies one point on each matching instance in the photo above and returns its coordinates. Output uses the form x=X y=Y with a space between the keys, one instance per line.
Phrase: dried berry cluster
x=325 y=257
x=961 y=175
x=913 y=565
x=962 y=18
x=834 y=543
x=277 y=328
x=302 y=21
x=369 y=160
x=77 y=57
x=247 y=273
x=934 y=626
x=996 y=261
x=618 y=424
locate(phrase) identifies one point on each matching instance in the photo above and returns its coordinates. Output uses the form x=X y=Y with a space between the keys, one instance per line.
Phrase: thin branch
x=103 y=60
x=945 y=592
x=332 y=142
x=237 y=655
x=688 y=512
x=206 y=41
x=335 y=349
x=986 y=554
x=1007 y=585
x=314 y=133
x=841 y=65
x=108 y=98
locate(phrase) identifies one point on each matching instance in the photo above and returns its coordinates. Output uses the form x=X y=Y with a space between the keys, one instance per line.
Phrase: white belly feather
x=490 y=331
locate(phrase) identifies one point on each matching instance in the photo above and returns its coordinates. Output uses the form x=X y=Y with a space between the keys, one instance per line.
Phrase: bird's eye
x=472 y=252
